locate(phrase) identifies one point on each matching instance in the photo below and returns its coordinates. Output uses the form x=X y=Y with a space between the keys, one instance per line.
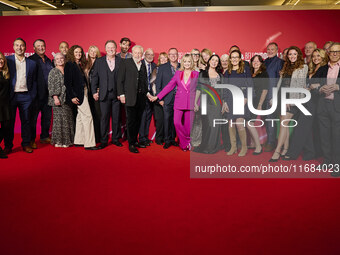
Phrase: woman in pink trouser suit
x=186 y=81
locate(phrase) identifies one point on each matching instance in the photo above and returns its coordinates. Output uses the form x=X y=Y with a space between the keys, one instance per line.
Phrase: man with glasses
x=329 y=108
x=164 y=75
x=147 y=114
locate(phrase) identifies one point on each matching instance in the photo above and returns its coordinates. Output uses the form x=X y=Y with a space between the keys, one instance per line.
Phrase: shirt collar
x=337 y=64
x=22 y=61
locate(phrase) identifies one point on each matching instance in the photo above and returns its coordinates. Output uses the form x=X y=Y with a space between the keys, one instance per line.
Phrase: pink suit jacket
x=185 y=95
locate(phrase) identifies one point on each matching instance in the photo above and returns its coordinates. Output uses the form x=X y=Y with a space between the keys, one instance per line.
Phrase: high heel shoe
x=258 y=153
x=275 y=159
x=283 y=155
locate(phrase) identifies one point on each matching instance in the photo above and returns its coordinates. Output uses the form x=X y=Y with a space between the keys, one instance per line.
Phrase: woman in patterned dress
x=63 y=127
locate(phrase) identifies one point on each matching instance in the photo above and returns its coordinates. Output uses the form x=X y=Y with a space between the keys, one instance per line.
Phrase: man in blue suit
x=23 y=91
x=274 y=65
x=164 y=75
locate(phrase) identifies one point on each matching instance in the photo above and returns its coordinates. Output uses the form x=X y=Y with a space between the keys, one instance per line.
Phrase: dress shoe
x=45 y=141
x=133 y=149
x=173 y=143
x=102 y=146
x=78 y=145
x=33 y=145
x=139 y=145
x=159 y=142
x=27 y=149
x=269 y=147
x=149 y=141
x=146 y=143
x=167 y=145
x=2 y=154
x=94 y=148
x=117 y=143
x=8 y=150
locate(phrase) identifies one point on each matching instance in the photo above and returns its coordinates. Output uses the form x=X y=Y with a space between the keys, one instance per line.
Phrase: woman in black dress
x=261 y=85
x=4 y=102
x=211 y=136
x=306 y=136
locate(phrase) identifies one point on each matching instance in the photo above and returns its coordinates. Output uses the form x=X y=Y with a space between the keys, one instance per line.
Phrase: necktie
x=149 y=76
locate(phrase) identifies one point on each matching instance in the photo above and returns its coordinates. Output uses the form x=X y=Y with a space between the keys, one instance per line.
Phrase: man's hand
x=96 y=96
x=161 y=103
x=122 y=99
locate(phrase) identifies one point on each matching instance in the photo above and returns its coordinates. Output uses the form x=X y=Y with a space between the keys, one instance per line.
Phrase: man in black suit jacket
x=40 y=104
x=164 y=75
x=104 y=89
x=147 y=114
x=132 y=86
x=329 y=108
x=23 y=91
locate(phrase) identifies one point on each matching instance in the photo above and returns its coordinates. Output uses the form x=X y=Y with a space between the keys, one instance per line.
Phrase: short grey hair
x=225 y=56
x=58 y=54
x=137 y=46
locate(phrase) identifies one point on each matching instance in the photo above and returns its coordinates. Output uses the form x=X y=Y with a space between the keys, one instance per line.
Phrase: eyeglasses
x=334 y=52
x=195 y=54
x=234 y=57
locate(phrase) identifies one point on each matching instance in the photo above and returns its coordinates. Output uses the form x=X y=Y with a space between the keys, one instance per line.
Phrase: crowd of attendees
x=82 y=94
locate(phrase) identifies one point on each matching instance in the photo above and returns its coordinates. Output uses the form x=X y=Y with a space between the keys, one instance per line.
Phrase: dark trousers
x=134 y=116
x=169 y=128
x=271 y=129
x=329 y=121
x=159 y=120
x=302 y=137
x=21 y=101
x=36 y=107
x=145 y=122
x=110 y=107
x=5 y=129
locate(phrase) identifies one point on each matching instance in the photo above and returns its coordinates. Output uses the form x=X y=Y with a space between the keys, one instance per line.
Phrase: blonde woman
x=186 y=81
x=93 y=54
x=205 y=56
x=5 y=110
x=195 y=53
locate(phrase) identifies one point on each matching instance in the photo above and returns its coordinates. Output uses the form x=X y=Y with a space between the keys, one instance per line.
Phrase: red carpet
x=111 y=202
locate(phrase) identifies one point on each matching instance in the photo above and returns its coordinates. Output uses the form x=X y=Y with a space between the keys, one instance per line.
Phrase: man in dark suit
x=23 y=91
x=164 y=75
x=274 y=65
x=104 y=89
x=147 y=114
x=40 y=104
x=132 y=86
x=329 y=108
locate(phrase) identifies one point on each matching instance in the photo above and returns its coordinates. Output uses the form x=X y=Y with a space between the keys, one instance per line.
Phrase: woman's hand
x=196 y=108
x=75 y=100
x=56 y=101
x=225 y=108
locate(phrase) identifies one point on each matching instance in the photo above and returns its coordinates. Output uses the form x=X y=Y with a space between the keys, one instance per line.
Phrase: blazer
x=273 y=68
x=298 y=80
x=42 y=84
x=31 y=76
x=100 y=79
x=323 y=81
x=185 y=95
x=128 y=79
x=153 y=67
x=164 y=75
x=75 y=81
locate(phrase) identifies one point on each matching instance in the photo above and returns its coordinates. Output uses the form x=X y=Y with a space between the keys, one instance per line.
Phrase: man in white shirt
x=23 y=92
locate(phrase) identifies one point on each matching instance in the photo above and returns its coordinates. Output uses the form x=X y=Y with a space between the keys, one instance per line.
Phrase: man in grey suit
x=104 y=89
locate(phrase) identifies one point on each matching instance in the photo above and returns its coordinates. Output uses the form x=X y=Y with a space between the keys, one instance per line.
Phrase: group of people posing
x=86 y=93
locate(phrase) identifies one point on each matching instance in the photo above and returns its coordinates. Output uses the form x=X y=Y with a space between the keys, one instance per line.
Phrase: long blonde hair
x=206 y=51
x=5 y=70
x=325 y=59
